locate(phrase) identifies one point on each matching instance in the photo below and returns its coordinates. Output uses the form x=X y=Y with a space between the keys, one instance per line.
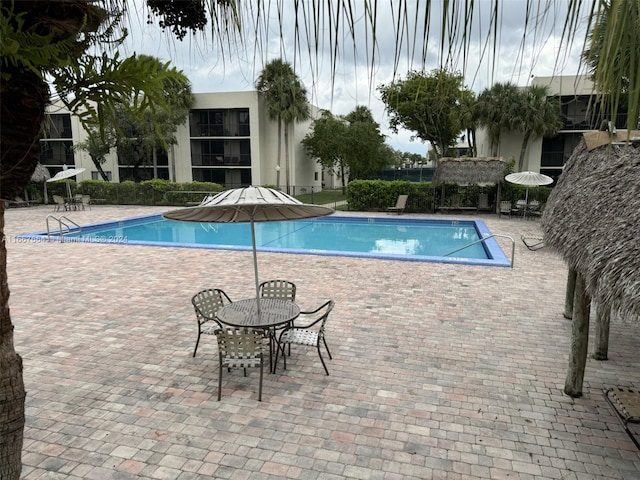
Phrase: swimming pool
x=407 y=239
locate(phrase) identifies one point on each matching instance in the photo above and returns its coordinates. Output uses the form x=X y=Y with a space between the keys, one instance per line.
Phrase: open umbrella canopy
x=529 y=179
x=64 y=174
x=249 y=204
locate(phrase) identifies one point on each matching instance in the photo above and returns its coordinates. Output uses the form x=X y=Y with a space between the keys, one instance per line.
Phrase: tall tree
x=535 y=115
x=326 y=143
x=286 y=101
x=40 y=41
x=427 y=104
x=139 y=134
x=493 y=110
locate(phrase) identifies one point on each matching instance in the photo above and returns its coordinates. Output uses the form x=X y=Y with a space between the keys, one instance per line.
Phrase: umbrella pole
x=255 y=265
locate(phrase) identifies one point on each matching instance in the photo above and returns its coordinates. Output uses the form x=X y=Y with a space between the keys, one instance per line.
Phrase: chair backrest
x=282 y=289
x=86 y=199
x=505 y=206
x=328 y=306
x=402 y=201
x=240 y=347
x=207 y=303
x=58 y=199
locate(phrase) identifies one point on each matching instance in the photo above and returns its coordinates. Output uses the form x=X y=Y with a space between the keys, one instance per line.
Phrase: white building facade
x=228 y=139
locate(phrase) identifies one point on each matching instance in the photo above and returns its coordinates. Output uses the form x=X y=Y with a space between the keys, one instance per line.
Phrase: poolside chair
x=206 y=303
x=310 y=334
x=239 y=348
x=401 y=204
x=59 y=203
x=284 y=290
x=625 y=403
x=533 y=243
x=505 y=208
x=85 y=201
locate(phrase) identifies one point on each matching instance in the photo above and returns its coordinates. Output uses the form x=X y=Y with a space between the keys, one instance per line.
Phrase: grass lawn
x=326 y=196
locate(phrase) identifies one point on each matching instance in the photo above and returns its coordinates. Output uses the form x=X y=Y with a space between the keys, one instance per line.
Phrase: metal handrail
x=61 y=222
x=513 y=245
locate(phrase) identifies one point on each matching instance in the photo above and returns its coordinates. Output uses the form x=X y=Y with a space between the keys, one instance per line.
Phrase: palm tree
x=535 y=115
x=494 y=111
x=286 y=102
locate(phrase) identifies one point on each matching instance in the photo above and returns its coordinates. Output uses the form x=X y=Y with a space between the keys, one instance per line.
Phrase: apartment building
x=228 y=139
x=580 y=113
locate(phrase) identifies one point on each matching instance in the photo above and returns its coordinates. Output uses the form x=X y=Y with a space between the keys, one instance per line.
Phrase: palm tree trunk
x=280 y=150
x=523 y=149
x=24 y=96
x=12 y=393
x=286 y=157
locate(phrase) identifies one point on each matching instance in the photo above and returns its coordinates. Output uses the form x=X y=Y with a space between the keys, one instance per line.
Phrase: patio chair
x=401 y=204
x=284 y=290
x=206 y=304
x=310 y=334
x=532 y=243
x=505 y=208
x=239 y=348
x=625 y=403
x=85 y=201
x=59 y=203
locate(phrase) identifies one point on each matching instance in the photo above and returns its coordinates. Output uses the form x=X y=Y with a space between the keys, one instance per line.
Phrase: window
x=95 y=175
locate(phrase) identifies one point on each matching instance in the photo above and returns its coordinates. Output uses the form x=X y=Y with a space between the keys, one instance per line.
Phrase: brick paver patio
x=439 y=371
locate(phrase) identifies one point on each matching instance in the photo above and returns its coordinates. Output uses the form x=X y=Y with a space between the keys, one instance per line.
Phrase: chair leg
x=327 y=347
x=220 y=379
x=322 y=359
x=197 y=342
x=260 y=386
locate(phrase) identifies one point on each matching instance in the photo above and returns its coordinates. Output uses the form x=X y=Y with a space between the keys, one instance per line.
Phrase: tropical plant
x=44 y=43
x=427 y=104
x=535 y=115
x=493 y=110
x=616 y=31
x=139 y=135
x=286 y=101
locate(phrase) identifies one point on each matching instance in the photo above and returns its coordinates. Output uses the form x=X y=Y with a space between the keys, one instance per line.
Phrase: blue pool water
x=412 y=239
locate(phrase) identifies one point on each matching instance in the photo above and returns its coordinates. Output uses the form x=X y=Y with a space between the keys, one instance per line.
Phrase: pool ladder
x=63 y=226
x=513 y=245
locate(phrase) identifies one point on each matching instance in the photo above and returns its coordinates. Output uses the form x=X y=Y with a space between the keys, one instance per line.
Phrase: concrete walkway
x=439 y=371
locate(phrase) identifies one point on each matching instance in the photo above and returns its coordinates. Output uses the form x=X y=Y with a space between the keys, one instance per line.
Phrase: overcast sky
x=210 y=69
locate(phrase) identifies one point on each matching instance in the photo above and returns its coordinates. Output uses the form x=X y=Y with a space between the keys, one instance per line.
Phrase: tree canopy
x=429 y=105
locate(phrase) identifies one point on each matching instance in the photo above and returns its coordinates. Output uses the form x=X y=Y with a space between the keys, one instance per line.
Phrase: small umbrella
x=249 y=204
x=67 y=174
x=529 y=179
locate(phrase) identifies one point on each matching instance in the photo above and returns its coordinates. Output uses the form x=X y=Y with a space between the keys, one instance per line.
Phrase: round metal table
x=244 y=313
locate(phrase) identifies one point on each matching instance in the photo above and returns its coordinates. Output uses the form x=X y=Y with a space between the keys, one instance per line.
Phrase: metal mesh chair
x=206 y=304
x=284 y=290
x=239 y=348
x=310 y=334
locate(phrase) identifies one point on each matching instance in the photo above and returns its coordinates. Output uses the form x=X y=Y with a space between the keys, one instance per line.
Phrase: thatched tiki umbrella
x=470 y=171
x=40 y=175
x=592 y=220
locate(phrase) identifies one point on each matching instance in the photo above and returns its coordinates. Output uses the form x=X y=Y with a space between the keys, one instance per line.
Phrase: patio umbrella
x=67 y=174
x=40 y=175
x=249 y=204
x=529 y=179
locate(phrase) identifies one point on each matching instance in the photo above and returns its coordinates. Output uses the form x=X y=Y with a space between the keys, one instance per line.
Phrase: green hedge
x=148 y=192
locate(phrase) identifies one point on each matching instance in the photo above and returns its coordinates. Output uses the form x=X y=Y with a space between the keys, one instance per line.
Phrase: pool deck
x=439 y=371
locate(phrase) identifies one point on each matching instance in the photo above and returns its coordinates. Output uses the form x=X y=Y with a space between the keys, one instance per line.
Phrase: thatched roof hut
x=592 y=219
x=40 y=174
x=469 y=171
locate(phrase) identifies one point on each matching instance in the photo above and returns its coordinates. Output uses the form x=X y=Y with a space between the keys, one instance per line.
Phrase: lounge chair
x=625 y=403
x=533 y=243
x=401 y=204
